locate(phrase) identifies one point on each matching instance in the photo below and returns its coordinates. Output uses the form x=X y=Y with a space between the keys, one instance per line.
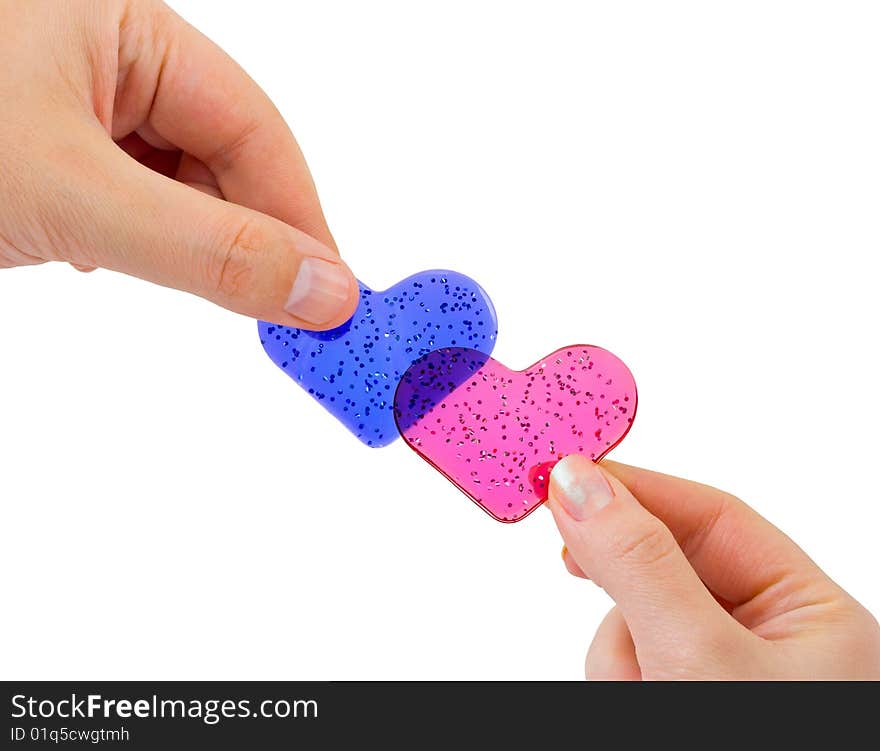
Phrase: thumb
x=141 y=223
x=634 y=557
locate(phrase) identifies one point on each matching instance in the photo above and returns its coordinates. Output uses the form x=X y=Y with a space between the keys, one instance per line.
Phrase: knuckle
x=646 y=545
x=233 y=264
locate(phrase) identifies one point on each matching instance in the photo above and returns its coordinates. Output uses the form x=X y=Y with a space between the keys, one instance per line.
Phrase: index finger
x=177 y=84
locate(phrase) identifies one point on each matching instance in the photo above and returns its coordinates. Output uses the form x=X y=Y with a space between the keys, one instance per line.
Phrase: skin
x=705 y=588
x=131 y=142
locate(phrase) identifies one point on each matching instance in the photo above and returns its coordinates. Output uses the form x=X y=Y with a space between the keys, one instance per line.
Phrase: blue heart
x=353 y=370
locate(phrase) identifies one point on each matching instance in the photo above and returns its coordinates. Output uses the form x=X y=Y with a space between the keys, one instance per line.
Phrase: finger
x=183 y=167
x=632 y=555
x=612 y=654
x=164 y=162
x=195 y=174
x=740 y=556
x=131 y=219
x=570 y=564
x=177 y=87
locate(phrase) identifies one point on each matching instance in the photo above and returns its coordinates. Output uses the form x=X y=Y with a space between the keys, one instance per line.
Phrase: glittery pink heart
x=496 y=433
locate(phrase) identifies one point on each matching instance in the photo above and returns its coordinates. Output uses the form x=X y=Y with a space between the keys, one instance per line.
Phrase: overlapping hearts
x=354 y=369
x=415 y=360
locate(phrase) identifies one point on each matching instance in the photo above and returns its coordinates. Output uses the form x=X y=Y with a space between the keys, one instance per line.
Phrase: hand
x=130 y=141
x=705 y=587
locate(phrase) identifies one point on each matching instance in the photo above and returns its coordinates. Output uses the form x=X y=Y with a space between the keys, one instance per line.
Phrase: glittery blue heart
x=353 y=370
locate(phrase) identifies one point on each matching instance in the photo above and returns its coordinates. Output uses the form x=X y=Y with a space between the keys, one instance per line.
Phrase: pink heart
x=496 y=433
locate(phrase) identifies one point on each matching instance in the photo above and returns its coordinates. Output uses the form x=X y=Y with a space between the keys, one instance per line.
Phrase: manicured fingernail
x=580 y=487
x=319 y=291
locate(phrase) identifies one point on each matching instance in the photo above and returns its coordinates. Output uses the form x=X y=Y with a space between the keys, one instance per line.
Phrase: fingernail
x=580 y=487
x=319 y=291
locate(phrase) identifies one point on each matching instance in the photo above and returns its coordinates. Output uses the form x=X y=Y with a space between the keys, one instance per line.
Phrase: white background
x=692 y=185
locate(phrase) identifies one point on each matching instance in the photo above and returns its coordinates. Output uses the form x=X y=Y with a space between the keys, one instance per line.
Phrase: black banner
x=255 y=715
